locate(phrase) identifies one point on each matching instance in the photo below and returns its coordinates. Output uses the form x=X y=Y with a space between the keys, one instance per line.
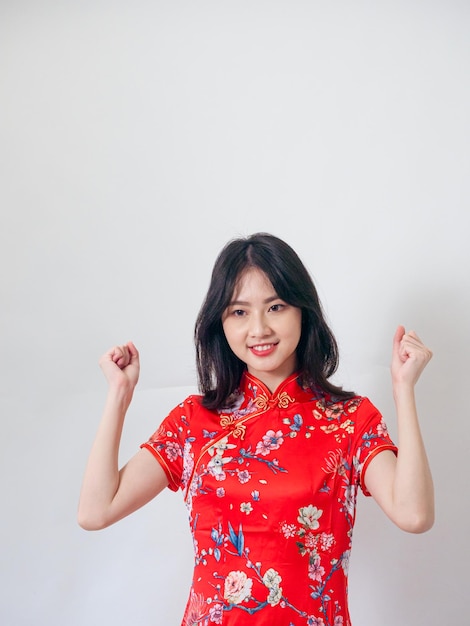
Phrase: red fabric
x=271 y=488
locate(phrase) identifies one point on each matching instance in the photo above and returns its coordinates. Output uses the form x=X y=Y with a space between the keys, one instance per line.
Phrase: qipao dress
x=270 y=485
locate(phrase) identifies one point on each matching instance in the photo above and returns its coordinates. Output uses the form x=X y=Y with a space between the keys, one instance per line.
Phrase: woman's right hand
x=121 y=366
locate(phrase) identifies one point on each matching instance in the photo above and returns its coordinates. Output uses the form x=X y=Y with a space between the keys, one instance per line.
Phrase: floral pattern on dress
x=271 y=487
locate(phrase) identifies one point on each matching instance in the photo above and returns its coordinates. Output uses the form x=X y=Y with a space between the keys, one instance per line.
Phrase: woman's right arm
x=109 y=494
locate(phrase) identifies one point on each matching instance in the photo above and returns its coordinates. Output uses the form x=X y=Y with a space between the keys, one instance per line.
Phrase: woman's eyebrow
x=246 y=303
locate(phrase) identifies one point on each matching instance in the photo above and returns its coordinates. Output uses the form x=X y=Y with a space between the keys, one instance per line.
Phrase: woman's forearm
x=101 y=479
x=413 y=491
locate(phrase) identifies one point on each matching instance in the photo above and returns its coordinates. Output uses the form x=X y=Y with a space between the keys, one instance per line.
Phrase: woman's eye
x=276 y=307
x=238 y=312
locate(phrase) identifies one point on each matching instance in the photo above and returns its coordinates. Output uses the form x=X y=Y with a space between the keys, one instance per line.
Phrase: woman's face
x=261 y=329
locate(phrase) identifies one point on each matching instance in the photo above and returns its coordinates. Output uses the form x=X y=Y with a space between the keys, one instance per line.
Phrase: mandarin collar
x=288 y=392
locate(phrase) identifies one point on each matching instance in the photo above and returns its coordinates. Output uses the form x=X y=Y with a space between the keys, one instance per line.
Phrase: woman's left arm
x=403 y=485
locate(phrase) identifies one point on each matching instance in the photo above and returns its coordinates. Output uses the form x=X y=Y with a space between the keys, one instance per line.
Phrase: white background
x=136 y=139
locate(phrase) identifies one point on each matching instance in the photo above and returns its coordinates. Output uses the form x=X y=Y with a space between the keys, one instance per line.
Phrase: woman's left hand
x=409 y=358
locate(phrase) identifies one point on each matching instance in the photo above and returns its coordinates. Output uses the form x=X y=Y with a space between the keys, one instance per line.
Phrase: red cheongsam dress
x=271 y=486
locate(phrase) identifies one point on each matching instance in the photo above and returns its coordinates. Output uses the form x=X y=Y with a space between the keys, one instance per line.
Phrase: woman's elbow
x=89 y=521
x=418 y=523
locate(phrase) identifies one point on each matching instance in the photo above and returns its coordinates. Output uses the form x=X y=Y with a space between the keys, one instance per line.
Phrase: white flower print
x=288 y=530
x=270 y=441
x=220 y=493
x=246 y=507
x=311 y=540
x=237 y=587
x=216 y=466
x=272 y=580
x=309 y=516
x=315 y=621
x=274 y=596
x=221 y=446
x=327 y=541
x=345 y=561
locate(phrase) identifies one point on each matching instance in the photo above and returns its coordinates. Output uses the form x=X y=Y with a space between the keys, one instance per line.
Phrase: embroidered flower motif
x=220 y=492
x=315 y=621
x=271 y=441
x=309 y=516
x=236 y=429
x=237 y=587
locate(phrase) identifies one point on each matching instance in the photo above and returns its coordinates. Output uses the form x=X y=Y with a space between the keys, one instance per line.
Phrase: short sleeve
x=168 y=441
x=372 y=438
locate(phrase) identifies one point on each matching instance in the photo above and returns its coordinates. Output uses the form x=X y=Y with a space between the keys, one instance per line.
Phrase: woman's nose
x=259 y=326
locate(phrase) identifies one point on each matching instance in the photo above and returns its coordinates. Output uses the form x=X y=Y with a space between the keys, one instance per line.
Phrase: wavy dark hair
x=219 y=370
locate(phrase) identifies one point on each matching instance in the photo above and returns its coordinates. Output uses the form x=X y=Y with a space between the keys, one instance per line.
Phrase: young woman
x=271 y=454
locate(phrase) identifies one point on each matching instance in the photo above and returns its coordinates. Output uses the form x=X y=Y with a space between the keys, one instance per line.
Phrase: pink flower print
x=196 y=609
x=315 y=570
x=216 y=613
x=237 y=587
x=172 y=450
x=271 y=441
x=243 y=476
x=350 y=499
x=315 y=621
x=220 y=492
x=338 y=621
x=382 y=429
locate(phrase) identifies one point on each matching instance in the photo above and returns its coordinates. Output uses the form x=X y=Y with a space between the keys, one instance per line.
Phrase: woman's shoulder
x=354 y=403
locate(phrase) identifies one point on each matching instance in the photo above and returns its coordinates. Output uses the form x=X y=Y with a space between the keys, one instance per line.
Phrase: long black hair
x=219 y=370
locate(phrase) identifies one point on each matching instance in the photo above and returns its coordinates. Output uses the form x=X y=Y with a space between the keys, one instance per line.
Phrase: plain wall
x=136 y=138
